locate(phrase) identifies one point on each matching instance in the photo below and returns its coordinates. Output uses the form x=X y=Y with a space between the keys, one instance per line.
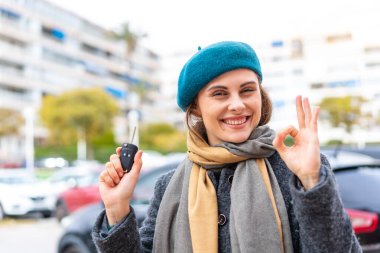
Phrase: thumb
x=137 y=162
x=136 y=167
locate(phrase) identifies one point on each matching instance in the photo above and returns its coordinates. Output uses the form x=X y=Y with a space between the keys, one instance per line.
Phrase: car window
x=145 y=186
x=360 y=187
x=17 y=179
x=149 y=179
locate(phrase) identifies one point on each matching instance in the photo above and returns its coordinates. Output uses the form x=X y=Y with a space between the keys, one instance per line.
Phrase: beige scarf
x=201 y=223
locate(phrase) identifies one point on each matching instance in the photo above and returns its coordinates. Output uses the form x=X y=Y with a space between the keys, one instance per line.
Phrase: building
x=45 y=49
x=324 y=64
x=316 y=64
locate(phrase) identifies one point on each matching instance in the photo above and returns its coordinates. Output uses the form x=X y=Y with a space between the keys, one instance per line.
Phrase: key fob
x=127 y=156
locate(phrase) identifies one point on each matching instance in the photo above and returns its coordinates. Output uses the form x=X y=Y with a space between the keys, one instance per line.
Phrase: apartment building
x=45 y=49
x=316 y=64
x=325 y=64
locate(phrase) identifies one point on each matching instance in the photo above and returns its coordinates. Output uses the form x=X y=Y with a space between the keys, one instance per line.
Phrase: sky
x=176 y=26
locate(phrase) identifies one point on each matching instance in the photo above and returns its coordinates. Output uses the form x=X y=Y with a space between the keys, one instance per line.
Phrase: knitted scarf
x=187 y=220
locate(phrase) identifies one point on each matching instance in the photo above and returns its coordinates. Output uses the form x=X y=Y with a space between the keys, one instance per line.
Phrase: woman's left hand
x=303 y=158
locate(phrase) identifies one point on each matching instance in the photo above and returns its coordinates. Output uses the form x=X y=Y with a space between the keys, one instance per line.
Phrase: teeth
x=235 y=122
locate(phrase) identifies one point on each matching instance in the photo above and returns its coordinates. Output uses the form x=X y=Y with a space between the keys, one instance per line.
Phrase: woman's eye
x=248 y=90
x=218 y=93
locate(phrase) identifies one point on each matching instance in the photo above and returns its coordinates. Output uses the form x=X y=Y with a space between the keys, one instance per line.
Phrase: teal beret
x=210 y=62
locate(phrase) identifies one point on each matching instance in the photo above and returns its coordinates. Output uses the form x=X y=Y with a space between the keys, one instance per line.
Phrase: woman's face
x=230 y=106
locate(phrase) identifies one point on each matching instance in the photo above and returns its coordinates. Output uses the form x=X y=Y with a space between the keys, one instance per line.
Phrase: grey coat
x=317 y=219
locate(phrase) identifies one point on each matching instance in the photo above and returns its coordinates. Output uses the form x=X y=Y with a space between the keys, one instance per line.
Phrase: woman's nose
x=236 y=104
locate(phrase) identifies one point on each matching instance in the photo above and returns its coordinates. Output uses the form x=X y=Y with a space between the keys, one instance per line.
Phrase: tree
x=343 y=111
x=130 y=38
x=78 y=115
x=162 y=137
x=10 y=121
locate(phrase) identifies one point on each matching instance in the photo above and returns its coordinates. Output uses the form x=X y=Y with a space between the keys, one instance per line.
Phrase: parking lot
x=29 y=235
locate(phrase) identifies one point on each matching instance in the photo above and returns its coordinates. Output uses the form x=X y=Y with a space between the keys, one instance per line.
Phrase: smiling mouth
x=235 y=122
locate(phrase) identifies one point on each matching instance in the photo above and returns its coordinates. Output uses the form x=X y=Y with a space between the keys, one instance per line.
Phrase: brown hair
x=195 y=123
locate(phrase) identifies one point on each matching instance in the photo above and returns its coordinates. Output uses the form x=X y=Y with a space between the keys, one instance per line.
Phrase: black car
x=77 y=235
x=359 y=187
x=358 y=178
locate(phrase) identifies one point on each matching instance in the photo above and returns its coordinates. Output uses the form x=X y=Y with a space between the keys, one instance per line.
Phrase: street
x=29 y=235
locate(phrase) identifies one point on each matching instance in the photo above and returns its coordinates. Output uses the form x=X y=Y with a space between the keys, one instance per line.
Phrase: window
x=372 y=49
x=9 y=14
x=277 y=43
x=54 y=33
x=339 y=38
x=296 y=48
x=317 y=85
x=372 y=64
x=58 y=57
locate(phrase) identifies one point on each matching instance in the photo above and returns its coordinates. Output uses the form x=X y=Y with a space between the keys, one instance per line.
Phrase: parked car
x=52 y=162
x=21 y=193
x=83 y=192
x=359 y=185
x=70 y=177
x=86 y=191
x=77 y=237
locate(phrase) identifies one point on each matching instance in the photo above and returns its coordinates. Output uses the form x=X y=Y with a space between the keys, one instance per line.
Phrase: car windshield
x=360 y=187
x=145 y=186
x=19 y=179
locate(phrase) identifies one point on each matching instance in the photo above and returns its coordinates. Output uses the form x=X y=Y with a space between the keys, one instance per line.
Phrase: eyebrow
x=224 y=87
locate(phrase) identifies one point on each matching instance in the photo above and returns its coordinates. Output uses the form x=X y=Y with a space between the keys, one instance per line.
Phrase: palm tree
x=130 y=38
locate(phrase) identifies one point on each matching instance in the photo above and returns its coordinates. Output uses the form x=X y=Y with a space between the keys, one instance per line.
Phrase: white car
x=21 y=193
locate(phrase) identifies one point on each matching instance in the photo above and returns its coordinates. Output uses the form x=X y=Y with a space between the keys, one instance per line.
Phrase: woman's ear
x=195 y=110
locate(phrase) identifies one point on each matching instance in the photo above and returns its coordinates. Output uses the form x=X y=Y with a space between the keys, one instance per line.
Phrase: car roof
x=15 y=172
x=340 y=159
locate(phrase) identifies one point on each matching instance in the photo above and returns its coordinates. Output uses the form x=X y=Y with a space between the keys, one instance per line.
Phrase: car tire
x=60 y=210
x=46 y=214
x=2 y=214
x=72 y=244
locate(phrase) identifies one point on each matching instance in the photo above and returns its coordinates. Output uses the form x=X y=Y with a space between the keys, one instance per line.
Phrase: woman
x=240 y=189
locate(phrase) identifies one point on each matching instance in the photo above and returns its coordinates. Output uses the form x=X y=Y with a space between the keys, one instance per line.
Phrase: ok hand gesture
x=303 y=158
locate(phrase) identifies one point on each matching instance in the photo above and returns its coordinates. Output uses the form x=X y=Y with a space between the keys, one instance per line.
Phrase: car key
x=127 y=154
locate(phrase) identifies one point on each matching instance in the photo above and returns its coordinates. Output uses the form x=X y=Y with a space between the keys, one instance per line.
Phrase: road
x=29 y=235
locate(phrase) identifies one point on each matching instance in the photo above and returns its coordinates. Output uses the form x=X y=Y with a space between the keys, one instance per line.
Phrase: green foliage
x=108 y=138
x=87 y=111
x=10 y=121
x=103 y=145
x=343 y=111
x=101 y=153
x=289 y=141
x=163 y=138
x=334 y=143
x=66 y=151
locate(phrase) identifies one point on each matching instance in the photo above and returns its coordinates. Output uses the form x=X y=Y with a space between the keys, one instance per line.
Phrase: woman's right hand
x=116 y=187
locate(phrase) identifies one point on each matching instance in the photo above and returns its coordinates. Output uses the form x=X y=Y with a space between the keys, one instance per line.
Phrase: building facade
x=45 y=49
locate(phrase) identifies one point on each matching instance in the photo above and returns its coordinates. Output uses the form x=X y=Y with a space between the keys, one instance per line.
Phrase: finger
x=300 y=112
x=292 y=131
x=314 y=120
x=112 y=173
x=115 y=159
x=307 y=110
x=278 y=142
x=289 y=130
x=118 y=151
x=105 y=178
